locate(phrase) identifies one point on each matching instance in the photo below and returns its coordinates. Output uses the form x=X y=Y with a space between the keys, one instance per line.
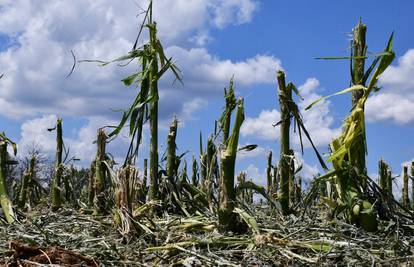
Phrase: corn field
x=202 y=213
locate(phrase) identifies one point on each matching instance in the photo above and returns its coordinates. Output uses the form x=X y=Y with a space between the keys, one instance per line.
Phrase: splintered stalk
x=171 y=157
x=100 y=172
x=230 y=106
x=359 y=50
x=5 y=202
x=269 y=173
x=227 y=218
x=56 y=183
x=285 y=94
x=405 y=200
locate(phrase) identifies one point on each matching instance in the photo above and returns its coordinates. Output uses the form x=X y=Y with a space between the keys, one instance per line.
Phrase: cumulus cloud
x=38 y=61
x=317 y=120
x=395 y=101
x=80 y=144
x=261 y=127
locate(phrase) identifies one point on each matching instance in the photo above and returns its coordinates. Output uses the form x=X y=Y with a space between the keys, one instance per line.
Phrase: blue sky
x=210 y=40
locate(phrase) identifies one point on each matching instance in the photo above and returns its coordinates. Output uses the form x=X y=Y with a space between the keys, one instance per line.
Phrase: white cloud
x=46 y=31
x=317 y=120
x=389 y=106
x=209 y=72
x=262 y=126
x=81 y=144
x=225 y=12
x=395 y=101
x=35 y=131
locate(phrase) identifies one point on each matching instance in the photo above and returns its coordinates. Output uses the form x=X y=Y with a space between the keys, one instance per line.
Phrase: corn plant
x=5 y=202
x=153 y=65
x=288 y=111
x=228 y=154
x=348 y=166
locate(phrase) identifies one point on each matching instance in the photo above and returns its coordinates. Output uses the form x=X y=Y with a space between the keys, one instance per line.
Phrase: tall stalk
x=56 y=183
x=153 y=191
x=153 y=65
x=348 y=150
x=359 y=50
x=285 y=95
x=227 y=217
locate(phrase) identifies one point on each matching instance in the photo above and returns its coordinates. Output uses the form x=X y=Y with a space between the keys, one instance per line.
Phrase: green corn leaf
x=248 y=148
x=130 y=79
x=249 y=219
x=347 y=90
x=292 y=87
x=341 y=58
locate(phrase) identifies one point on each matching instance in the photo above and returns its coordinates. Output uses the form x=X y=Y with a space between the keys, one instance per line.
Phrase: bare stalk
x=285 y=94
